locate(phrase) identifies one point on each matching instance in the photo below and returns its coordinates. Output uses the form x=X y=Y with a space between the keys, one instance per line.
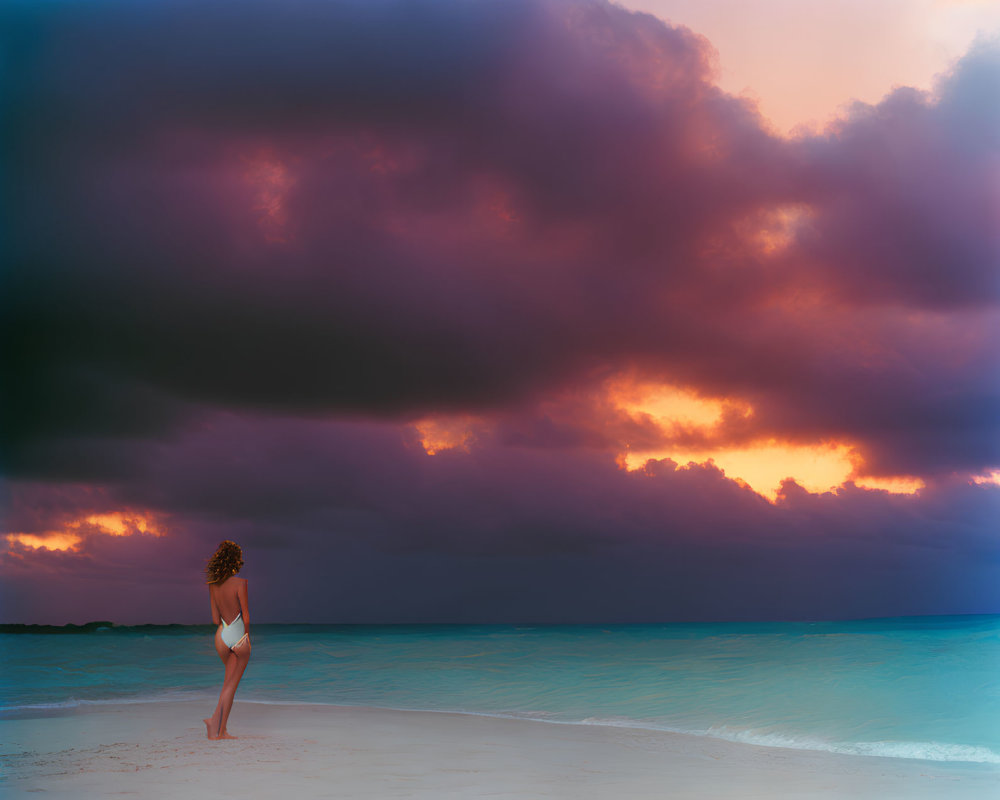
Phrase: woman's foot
x=227 y=735
x=208 y=729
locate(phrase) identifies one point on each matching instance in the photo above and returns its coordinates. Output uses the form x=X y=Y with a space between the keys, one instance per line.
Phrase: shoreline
x=158 y=749
x=56 y=710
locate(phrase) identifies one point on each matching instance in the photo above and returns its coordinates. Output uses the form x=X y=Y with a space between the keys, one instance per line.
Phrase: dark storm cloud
x=394 y=208
x=139 y=251
x=499 y=534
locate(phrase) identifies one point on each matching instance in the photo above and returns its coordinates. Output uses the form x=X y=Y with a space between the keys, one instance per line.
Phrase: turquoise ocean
x=910 y=687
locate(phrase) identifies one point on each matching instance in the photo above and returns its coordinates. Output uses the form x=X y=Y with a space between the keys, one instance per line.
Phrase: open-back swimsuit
x=233 y=632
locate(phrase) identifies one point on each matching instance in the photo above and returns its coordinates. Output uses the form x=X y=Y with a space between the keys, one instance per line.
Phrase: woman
x=228 y=595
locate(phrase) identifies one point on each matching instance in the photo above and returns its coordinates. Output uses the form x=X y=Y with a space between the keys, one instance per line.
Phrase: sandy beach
x=159 y=750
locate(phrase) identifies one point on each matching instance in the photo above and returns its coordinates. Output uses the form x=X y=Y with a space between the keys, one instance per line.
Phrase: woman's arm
x=216 y=619
x=242 y=591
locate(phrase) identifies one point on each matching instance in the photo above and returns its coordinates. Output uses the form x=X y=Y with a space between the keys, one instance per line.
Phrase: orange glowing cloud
x=49 y=540
x=762 y=464
x=992 y=477
x=441 y=432
x=902 y=484
x=71 y=533
x=669 y=406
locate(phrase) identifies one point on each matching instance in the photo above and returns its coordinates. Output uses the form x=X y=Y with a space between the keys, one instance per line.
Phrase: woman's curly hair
x=226 y=561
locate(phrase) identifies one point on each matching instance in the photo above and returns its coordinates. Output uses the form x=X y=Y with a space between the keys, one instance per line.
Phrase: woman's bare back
x=229 y=598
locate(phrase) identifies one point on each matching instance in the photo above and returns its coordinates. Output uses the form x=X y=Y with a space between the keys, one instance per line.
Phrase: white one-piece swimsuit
x=233 y=632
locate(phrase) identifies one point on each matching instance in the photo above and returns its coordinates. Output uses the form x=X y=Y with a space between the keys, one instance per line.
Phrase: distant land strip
x=87 y=627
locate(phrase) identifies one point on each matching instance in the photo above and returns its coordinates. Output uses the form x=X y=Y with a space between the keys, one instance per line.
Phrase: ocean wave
x=924 y=751
x=928 y=751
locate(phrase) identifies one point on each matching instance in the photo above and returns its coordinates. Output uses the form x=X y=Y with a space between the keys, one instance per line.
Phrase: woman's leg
x=212 y=723
x=236 y=662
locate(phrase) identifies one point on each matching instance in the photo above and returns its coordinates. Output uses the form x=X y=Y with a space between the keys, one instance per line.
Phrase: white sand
x=159 y=750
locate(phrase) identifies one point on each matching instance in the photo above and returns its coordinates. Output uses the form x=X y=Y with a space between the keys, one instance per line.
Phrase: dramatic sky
x=522 y=310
